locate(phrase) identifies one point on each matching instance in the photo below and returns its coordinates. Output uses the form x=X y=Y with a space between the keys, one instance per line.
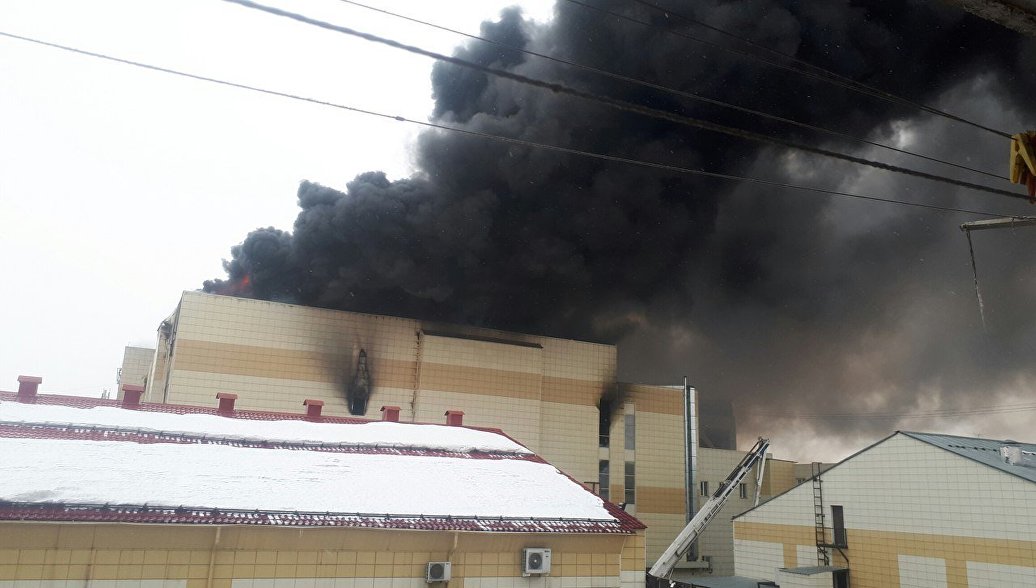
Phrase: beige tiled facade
x=542 y=391
x=915 y=516
x=136 y=367
x=168 y=556
x=658 y=456
x=780 y=476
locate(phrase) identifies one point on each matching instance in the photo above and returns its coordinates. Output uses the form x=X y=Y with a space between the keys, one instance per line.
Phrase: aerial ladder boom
x=669 y=558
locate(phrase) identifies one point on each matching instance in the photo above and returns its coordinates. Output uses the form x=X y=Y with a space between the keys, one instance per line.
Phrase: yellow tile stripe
x=286 y=364
x=873 y=555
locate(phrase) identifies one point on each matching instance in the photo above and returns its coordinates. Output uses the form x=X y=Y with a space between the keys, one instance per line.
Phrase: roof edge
x=810 y=479
x=917 y=437
x=152 y=514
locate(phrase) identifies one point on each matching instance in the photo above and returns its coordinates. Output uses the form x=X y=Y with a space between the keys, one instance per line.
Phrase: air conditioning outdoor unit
x=535 y=561
x=437 y=571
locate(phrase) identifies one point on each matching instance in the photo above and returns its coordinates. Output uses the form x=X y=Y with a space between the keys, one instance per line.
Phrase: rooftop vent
x=27 y=388
x=1014 y=455
x=131 y=395
x=313 y=407
x=226 y=401
x=390 y=414
x=455 y=418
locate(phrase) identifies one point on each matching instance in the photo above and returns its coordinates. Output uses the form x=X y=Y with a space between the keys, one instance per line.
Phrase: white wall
x=910 y=486
x=790 y=580
x=903 y=485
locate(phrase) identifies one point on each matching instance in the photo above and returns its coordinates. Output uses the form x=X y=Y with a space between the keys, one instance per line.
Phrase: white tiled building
x=915 y=509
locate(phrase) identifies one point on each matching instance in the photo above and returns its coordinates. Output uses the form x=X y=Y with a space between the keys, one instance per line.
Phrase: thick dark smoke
x=776 y=300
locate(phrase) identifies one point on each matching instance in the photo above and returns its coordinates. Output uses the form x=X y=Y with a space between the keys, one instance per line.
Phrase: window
x=603 y=479
x=631 y=483
x=631 y=431
x=604 y=425
x=742 y=490
x=704 y=488
x=838 y=521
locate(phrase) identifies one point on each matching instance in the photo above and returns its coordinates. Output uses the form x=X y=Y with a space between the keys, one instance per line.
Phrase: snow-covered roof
x=159 y=465
x=379 y=434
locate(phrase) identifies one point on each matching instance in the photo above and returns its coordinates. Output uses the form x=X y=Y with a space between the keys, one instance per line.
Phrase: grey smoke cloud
x=776 y=300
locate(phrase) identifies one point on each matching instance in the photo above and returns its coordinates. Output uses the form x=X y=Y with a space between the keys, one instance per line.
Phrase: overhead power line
x=823 y=75
x=622 y=104
x=502 y=139
x=674 y=91
x=1007 y=408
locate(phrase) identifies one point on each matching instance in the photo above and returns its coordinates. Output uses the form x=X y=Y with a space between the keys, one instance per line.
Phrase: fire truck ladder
x=666 y=562
x=818 y=513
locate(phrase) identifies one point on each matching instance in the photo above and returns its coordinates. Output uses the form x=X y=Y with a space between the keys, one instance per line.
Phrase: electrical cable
x=1007 y=408
x=622 y=104
x=509 y=140
x=681 y=93
x=828 y=76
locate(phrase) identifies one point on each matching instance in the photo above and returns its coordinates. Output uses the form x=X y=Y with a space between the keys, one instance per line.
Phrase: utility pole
x=982 y=225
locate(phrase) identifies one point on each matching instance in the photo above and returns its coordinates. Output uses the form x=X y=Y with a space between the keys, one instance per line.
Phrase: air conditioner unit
x=535 y=561
x=437 y=571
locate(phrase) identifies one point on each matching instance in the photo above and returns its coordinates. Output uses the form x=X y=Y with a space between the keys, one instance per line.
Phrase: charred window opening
x=359 y=391
x=604 y=426
x=611 y=400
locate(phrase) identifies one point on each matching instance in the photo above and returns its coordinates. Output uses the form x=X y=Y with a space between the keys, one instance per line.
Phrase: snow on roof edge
x=291 y=430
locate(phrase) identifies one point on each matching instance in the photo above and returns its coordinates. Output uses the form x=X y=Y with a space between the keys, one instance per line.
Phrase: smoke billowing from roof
x=781 y=301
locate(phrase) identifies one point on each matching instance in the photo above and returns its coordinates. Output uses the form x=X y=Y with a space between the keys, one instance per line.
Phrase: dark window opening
x=742 y=490
x=604 y=426
x=603 y=479
x=838 y=521
x=703 y=487
x=631 y=483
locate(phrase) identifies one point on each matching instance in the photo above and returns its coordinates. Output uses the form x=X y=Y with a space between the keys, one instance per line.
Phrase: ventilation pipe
x=690 y=466
x=390 y=414
x=226 y=402
x=455 y=418
x=313 y=407
x=131 y=395
x=27 y=388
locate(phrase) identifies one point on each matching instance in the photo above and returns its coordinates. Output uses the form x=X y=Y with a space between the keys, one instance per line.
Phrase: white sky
x=120 y=187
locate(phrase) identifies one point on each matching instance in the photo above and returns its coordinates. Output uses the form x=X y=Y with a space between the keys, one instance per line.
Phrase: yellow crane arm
x=1023 y=161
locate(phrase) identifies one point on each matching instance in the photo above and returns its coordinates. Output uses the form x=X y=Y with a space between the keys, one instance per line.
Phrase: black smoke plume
x=779 y=301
